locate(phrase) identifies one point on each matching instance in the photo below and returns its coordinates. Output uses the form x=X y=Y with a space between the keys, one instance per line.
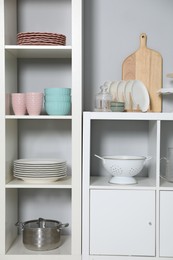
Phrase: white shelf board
x=60 y=184
x=128 y=116
x=18 y=248
x=38 y=117
x=102 y=182
x=30 y=51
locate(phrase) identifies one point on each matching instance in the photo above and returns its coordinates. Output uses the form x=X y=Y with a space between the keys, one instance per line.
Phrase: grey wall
x=111 y=33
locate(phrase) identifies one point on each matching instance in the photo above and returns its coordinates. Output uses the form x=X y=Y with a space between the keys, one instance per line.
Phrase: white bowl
x=123 y=168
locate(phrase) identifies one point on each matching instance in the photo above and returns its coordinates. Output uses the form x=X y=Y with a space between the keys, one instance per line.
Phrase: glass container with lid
x=103 y=100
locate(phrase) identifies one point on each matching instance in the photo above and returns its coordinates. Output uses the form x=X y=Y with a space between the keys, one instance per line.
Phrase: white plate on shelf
x=41 y=180
x=120 y=90
x=39 y=173
x=140 y=96
x=127 y=93
x=39 y=169
x=113 y=89
x=39 y=161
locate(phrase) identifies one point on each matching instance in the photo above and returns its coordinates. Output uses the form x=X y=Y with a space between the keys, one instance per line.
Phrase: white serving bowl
x=123 y=168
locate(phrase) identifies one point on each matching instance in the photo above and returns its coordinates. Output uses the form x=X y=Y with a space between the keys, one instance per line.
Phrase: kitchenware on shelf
x=103 y=99
x=57 y=101
x=40 y=38
x=34 y=103
x=57 y=107
x=41 y=234
x=168 y=163
x=140 y=96
x=133 y=93
x=127 y=95
x=123 y=167
x=120 y=90
x=62 y=98
x=113 y=89
x=57 y=91
x=165 y=91
x=18 y=103
x=145 y=65
x=39 y=170
x=117 y=106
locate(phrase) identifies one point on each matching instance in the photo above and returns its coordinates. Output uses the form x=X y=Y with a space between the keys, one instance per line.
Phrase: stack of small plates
x=40 y=38
x=117 y=106
x=40 y=170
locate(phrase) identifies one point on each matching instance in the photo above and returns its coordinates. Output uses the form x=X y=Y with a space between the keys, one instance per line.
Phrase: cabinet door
x=166 y=223
x=122 y=222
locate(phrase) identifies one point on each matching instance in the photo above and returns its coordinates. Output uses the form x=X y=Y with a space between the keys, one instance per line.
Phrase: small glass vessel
x=103 y=100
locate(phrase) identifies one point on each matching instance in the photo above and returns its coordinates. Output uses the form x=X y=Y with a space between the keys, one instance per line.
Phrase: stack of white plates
x=40 y=170
x=132 y=92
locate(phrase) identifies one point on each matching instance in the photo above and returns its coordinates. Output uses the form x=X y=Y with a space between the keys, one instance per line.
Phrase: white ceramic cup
x=34 y=103
x=18 y=103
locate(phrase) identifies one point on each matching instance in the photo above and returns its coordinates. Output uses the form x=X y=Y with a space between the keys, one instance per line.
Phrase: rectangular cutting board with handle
x=146 y=65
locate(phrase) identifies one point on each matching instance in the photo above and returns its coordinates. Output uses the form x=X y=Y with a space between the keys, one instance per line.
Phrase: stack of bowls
x=57 y=101
x=117 y=106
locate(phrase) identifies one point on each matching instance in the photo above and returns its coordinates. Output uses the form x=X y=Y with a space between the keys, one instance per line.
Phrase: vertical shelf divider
x=76 y=124
x=2 y=131
x=86 y=183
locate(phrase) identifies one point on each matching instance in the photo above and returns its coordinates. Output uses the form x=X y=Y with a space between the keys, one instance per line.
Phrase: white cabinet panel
x=122 y=222
x=166 y=223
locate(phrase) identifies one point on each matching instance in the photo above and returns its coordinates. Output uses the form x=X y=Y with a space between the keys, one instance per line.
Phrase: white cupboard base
x=122 y=222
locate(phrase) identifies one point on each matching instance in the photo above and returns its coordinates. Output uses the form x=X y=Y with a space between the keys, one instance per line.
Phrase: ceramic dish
x=120 y=90
x=140 y=96
x=39 y=170
x=39 y=161
x=117 y=109
x=117 y=104
x=113 y=90
x=127 y=94
x=40 y=180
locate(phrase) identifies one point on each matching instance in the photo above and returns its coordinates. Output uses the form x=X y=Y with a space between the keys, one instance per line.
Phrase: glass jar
x=103 y=100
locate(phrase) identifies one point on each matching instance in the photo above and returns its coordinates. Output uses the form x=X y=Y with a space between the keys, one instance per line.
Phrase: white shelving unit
x=126 y=221
x=33 y=68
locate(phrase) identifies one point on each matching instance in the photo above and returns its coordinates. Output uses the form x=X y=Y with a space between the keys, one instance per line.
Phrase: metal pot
x=41 y=234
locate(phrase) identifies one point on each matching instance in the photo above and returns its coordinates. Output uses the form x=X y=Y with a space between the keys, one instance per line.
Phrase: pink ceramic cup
x=34 y=103
x=18 y=103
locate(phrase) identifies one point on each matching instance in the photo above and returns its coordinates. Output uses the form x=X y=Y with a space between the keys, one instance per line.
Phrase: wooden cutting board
x=146 y=65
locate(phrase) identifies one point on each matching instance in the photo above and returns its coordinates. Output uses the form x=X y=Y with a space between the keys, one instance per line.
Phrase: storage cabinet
x=112 y=34
x=31 y=69
x=166 y=227
x=122 y=222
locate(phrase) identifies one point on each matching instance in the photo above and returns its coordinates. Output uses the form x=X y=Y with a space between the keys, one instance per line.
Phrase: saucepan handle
x=63 y=226
x=20 y=225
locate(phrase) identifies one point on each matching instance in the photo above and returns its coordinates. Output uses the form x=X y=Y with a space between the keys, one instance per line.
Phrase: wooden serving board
x=146 y=65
